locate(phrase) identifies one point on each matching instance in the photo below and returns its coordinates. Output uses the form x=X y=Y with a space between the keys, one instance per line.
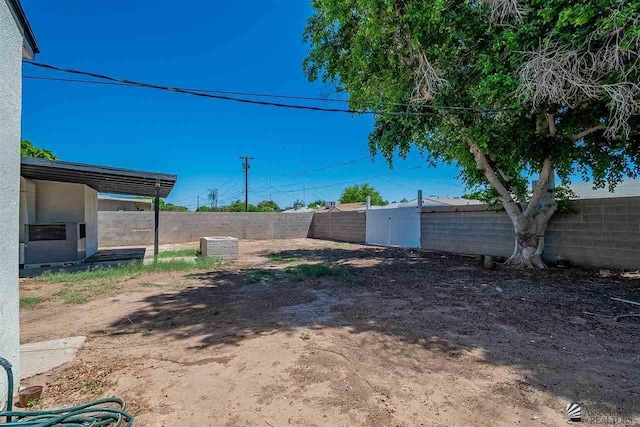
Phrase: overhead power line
x=224 y=95
x=267 y=185
x=224 y=92
x=347 y=162
x=206 y=191
x=206 y=95
x=343 y=182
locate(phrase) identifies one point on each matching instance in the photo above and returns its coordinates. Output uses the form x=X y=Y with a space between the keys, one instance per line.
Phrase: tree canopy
x=507 y=90
x=317 y=204
x=296 y=205
x=27 y=149
x=268 y=206
x=263 y=206
x=359 y=193
x=165 y=206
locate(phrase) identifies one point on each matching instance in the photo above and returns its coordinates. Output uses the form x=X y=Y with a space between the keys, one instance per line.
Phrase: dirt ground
x=406 y=338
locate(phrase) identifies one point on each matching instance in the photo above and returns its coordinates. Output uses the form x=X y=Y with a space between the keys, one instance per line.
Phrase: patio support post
x=156 y=217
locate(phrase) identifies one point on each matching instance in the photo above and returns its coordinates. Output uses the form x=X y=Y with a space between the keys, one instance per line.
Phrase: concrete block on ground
x=219 y=247
x=39 y=357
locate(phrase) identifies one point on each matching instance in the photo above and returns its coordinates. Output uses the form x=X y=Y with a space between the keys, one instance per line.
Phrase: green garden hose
x=96 y=413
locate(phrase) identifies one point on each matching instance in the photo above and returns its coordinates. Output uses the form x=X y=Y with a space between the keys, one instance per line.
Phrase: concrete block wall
x=341 y=226
x=599 y=233
x=136 y=228
x=469 y=230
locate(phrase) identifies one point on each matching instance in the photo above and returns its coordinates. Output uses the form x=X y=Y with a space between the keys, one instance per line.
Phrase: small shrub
x=306 y=335
x=131 y=270
x=80 y=287
x=308 y=271
x=28 y=303
x=177 y=253
x=256 y=276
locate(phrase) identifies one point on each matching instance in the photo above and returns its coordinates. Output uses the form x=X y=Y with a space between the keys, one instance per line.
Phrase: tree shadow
x=555 y=325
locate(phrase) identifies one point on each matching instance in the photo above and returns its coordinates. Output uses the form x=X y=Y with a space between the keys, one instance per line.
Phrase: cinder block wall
x=341 y=226
x=600 y=233
x=136 y=228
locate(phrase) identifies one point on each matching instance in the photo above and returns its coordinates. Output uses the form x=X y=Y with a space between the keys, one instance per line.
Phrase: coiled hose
x=96 y=413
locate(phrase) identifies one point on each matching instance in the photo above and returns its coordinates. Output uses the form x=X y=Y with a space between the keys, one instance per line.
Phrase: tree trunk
x=529 y=223
x=529 y=244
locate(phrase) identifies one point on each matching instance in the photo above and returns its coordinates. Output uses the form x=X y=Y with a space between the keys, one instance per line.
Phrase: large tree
x=27 y=149
x=359 y=193
x=268 y=206
x=509 y=90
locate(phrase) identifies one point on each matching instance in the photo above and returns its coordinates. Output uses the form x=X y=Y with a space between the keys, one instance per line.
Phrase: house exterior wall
x=59 y=202
x=598 y=233
x=10 y=115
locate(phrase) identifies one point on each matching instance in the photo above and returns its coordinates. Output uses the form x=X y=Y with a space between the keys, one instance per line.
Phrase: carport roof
x=101 y=178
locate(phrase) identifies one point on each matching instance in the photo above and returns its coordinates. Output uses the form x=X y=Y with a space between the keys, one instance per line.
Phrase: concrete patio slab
x=39 y=357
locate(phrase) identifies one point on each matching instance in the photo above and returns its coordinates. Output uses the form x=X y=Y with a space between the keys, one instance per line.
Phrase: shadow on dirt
x=555 y=325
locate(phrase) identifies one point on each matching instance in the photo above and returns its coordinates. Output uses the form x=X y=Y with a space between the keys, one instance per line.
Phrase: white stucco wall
x=65 y=202
x=91 y=219
x=10 y=115
x=59 y=202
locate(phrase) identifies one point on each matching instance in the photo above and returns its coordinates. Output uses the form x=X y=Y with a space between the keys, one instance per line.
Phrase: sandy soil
x=417 y=339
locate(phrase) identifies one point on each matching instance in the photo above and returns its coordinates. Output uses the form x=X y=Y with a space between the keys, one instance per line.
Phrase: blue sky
x=252 y=46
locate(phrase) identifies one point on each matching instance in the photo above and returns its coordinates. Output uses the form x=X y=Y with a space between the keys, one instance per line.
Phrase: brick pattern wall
x=600 y=233
x=136 y=228
x=468 y=231
x=341 y=226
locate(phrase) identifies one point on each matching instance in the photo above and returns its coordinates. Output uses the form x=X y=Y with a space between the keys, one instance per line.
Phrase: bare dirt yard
x=314 y=333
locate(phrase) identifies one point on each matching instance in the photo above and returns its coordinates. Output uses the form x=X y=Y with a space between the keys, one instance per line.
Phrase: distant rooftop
x=627 y=188
x=432 y=201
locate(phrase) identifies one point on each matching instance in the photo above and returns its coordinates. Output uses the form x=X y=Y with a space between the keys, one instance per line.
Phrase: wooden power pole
x=246 y=166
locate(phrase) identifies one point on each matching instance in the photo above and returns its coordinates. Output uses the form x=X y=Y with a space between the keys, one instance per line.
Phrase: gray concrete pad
x=39 y=357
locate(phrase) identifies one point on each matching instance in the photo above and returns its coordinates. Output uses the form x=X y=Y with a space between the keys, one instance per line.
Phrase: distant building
x=627 y=188
x=432 y=201
x=299 y=210
x=111 y=203
x=59 y=206
x=342 y=207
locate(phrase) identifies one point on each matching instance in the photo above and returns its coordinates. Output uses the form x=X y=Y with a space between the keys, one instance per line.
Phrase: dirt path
x=403 y=339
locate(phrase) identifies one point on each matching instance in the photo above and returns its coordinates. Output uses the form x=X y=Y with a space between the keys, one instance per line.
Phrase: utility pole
x=213 y=198
x=197 y=202
x=246 y=181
